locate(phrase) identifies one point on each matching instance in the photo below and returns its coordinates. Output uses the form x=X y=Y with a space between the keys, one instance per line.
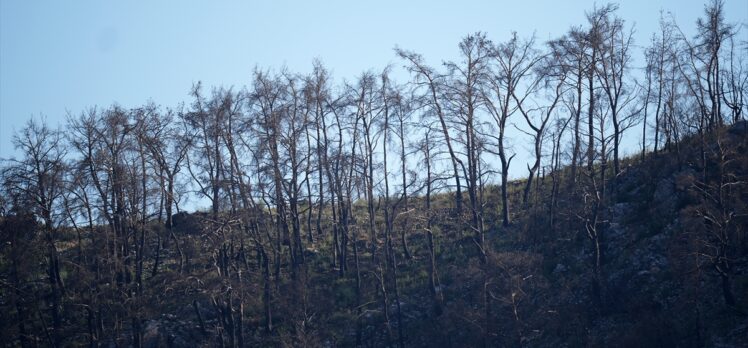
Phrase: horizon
x=62 y=59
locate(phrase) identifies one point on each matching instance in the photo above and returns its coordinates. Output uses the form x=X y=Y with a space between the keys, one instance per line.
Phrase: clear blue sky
x=60 y=56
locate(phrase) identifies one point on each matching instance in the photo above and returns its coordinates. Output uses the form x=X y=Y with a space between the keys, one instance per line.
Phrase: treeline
x=285 y=162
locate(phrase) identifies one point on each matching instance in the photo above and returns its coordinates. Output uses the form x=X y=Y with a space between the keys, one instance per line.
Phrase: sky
x=63 y=57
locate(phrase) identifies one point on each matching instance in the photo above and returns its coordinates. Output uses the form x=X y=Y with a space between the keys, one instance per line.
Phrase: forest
x=300 y=212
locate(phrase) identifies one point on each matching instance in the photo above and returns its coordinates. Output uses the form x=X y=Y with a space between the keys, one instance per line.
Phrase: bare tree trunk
x=591 y=113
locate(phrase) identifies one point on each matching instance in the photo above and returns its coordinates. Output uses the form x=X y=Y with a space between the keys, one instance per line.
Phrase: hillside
x=672 y=271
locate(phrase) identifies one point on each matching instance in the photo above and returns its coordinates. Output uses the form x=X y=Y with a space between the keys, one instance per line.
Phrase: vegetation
x=373 y=213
